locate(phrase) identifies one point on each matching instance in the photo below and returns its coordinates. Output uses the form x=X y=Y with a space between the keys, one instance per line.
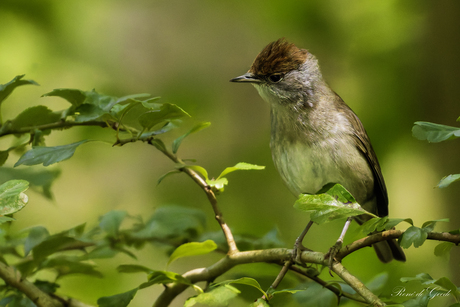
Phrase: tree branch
x=13 y=278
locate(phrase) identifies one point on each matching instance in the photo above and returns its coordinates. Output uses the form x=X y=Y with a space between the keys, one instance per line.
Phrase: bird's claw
x=332 y=253
x=297 y=253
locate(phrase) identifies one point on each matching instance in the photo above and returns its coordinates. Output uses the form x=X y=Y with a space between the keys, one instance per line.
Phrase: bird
x=316 y=138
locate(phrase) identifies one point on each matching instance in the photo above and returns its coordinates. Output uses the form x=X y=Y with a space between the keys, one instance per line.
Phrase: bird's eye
x=275 y=78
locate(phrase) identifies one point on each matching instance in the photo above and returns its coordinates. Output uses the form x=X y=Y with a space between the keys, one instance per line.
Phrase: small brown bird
x=315 y=137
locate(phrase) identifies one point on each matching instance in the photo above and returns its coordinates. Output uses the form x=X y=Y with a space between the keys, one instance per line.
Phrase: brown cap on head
x=278 y=57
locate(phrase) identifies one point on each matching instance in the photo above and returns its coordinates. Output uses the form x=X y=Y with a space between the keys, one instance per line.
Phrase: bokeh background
x=394 y=62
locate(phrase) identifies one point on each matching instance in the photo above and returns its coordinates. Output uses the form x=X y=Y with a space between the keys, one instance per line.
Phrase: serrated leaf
x=118 y=300
x=167 y=112
x=12 y=197
x=446 y=181
x=37 y=235
x=74 y=96
x=192 y=249
x=219 y=296
x=35 y=116
x=240 y=166
x=111 y=221
x=7 y=88
x=413 y=235
x=49 y=155
x=443 y=249
x=434 y=133
x=178 y=141
x=134 y=268
x=333 y=202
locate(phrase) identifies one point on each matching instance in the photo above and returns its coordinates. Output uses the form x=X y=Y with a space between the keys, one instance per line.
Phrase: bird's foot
x=297 y=253
x=332 y=253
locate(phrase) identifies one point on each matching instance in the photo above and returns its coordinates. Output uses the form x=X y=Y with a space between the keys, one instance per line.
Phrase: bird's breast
x=307 y=165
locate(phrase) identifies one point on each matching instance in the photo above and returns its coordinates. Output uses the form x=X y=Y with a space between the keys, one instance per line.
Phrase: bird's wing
x=363 y=143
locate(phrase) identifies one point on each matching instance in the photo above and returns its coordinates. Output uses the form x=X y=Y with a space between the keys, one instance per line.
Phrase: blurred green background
x=394 y=62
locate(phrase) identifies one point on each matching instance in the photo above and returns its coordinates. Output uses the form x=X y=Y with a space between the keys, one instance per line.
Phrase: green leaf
x=447 y=284
x=35 y=116
x=50 y=246
x=240 y=166
x=374 y=224
x=244 y=281
x=393 y=222
x=413 y=235
x=218 y=184
x=333 y=202
x=5 y=219
x=429 y=225
x=315 y=295
x=434 y=133
x=165 y=277
x=46 y=286
x=37 y=235
x=12 y=197
x=88 y=112
x=65 y=265
x=3 y=156
x=446 y=181
x=174 y=223
x=423 y=278
x=118 y=300
x=167 y=174
x=41 y=179
x=167 y=112
x=111 y=222
x=74 y=96
x=134 y=268
x=7 y=88
x=100 y=252
x=179 y=140
x=198 y=169
x=443 y=249
x=260 y=303
x=192 y=249
x=49 y=155
x=219 y=296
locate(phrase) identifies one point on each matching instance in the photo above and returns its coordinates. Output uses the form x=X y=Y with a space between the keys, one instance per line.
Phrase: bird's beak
x=247 y=78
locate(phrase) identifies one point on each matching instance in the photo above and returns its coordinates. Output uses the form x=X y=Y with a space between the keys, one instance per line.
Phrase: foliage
x=138 y=118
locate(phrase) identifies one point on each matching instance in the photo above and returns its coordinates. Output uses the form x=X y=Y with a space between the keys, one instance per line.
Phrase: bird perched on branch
x=316 y=138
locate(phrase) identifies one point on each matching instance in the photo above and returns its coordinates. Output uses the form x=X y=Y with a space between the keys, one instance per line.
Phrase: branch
x=13 y=278
x=232 y=248
x=388 y=235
